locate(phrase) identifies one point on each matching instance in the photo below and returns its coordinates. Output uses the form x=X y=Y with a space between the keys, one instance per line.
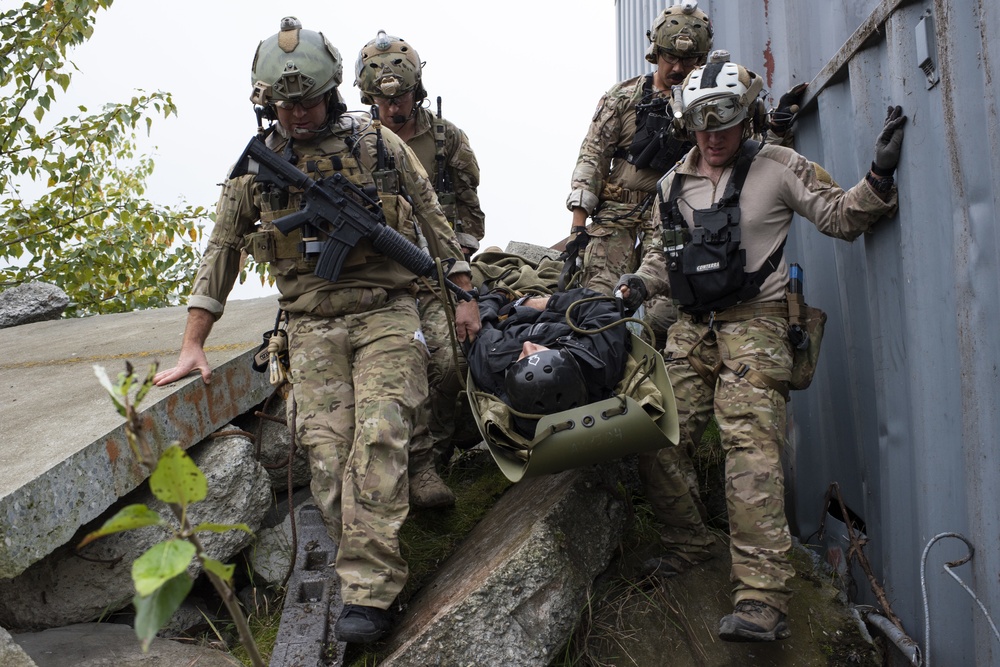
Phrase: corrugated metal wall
x=903 y=412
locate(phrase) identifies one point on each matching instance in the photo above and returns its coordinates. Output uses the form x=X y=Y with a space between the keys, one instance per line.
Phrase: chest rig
x=297 y=252
x=654 y=146
x=705 y=264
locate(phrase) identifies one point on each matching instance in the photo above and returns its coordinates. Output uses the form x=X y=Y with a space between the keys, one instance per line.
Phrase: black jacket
x=601 y=356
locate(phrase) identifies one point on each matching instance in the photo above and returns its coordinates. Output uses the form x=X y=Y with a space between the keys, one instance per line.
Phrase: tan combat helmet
x=682 y=30
x=295 y=65
x=388 y=67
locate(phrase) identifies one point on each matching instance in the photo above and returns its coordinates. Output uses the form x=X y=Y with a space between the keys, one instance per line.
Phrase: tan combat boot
x=428 y=490
x=753 y=621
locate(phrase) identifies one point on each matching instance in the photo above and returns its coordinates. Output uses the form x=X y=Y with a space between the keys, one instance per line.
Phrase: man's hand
x=467 y=323
x=192 y=356
x=888 y=143
x=632 y=290
x=781 y=118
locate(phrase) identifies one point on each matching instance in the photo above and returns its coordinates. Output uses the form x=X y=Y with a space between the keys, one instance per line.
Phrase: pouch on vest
x=804 y=361
x=654 y=145
x=706 y=264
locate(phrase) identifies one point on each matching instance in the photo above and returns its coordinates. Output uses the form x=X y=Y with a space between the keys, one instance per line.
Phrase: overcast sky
x=521 y=78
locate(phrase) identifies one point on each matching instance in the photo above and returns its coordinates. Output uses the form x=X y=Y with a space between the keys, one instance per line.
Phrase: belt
x=746 y=311
x=616 y=193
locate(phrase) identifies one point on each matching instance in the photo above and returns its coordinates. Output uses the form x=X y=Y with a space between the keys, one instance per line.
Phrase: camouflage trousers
x=751 y=420
x=357 y=381
x=611 y=252
x=435 y=422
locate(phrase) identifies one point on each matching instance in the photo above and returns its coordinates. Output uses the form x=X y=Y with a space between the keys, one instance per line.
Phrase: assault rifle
x=341 y=210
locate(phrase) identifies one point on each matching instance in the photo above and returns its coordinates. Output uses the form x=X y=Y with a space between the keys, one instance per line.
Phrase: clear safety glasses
x=713 y=114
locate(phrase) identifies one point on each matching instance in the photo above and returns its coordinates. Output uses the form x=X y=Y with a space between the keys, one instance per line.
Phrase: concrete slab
x=64 y=458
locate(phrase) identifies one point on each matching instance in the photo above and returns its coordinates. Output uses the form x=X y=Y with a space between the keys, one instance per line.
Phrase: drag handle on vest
x=342 y=211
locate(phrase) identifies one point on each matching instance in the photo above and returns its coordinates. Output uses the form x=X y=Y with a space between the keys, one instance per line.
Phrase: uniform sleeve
x=441 y=239
x=653 y=269
x=594 y=161
x=236 y=213
x=812 y=193
x=465 y=180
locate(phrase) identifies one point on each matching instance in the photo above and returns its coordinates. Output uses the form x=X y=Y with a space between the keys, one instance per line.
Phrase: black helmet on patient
x=545 y=382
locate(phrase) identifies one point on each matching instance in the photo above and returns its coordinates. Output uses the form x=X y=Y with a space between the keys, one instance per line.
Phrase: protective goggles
x=717 y=114
x=308 y=103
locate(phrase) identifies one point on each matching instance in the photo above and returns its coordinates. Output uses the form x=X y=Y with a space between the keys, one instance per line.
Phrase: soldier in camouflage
x=730 y=354
x=629 y=146
x=389 y=74
x=357 y=362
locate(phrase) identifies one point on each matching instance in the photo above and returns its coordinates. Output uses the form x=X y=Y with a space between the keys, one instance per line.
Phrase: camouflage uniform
x=436 y=419
x=358 y=368
x=615 y=194
x=717 y=370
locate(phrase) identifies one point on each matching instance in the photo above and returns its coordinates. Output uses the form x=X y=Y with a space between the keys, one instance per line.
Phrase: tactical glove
x=888 y=143
x=782 y=117
x=636 y=291
x=572 y=259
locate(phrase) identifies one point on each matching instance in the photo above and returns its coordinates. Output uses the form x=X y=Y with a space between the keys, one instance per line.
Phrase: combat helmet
x=388 y=67
x=683 y=31
x=545 y=382
x=295 y=65
x=719 y=95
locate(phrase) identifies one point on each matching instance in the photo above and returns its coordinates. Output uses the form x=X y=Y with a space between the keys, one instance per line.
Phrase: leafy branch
x=161 y=574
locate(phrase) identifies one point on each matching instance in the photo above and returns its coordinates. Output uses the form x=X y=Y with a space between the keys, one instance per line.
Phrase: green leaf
x=113 y=391
x=153 y=611
x=224 y=572
x=177 y=479
x=221 y=527
x=128 y=518
x=160 y=563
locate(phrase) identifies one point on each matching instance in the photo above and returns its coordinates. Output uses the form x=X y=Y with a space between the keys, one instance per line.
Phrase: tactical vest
x=705 y=264
x=654 y=145
x=295 y=253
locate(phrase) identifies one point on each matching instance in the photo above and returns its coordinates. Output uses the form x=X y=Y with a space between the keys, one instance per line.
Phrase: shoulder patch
x=822 y=175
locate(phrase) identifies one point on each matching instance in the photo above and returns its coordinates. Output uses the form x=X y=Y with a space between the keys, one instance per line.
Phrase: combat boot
x=753 y=621
x=359 y=624
x=428 y=490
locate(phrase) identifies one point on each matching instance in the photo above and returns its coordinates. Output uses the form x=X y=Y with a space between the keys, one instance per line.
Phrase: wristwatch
x=881 y=184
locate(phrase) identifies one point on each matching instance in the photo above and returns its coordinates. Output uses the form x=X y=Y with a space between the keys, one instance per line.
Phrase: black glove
x=782 y=117
x=636 y=291
x=888 y=143
x=572 y=259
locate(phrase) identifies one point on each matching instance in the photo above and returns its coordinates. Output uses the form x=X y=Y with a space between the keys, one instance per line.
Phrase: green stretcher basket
x=643 y=417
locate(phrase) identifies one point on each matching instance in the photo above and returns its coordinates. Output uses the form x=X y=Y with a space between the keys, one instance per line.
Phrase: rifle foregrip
x=396 y=246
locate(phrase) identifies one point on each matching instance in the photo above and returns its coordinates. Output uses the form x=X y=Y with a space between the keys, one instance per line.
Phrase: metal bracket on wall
x=925 y=48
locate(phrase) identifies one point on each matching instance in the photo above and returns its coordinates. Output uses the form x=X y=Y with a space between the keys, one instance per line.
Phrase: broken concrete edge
x=45 y=514
x=513 y=604
x=11 y=653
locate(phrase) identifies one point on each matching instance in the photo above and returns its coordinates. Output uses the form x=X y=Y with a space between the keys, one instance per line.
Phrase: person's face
x=719 y=146
x=528 y=348
x=302 y=119
x=394 y=112
x=671 y=70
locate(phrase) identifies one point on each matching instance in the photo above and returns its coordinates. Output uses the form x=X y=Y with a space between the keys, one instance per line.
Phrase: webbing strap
x=756 y=378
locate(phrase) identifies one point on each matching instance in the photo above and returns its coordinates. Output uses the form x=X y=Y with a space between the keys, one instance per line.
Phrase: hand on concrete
x=188 y=361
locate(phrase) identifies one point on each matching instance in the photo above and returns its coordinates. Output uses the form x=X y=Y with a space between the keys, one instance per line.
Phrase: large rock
x=31 y=302
x=11 y=653
x=514 y=590
x=69 y=587
x=112 y=645
x=274 y=444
